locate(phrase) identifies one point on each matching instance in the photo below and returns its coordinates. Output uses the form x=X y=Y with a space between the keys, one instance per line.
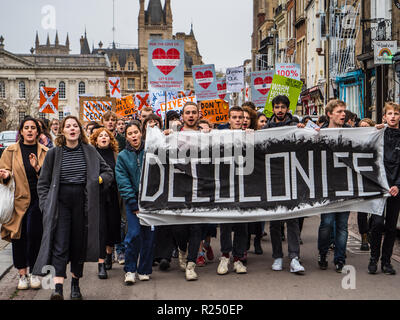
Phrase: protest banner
x=215 y=111
x=166 y=65
x=288 y=70
x=175 y=105
x=48 y=102
x=234 y=79
x=142 y=99
x=114 y=86
x=93 y=108
x=205 y=83
x=221 y=86
x=125 y=106
x=286 y=87
x=233 y=176
x=260 y=85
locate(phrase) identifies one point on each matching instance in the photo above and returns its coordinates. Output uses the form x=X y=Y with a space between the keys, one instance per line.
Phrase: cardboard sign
x=142 y=100
x=288 y=70
x=48 y=100
x=166 y=65
x=235 y=79
x=205 y=83
x=384 y=51
x=221 y=86
x=215 y=111
x=282 y=86
x=176 y=105
x=93 y=108
x=260 y=85
x=125 y=106
x=114 y=85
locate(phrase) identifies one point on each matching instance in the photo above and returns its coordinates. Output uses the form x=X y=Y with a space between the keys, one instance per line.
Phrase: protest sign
x=215 y=111
x=234 y=79
x=48 y=100
x=142 y=99
x=93 y=108
x=286 y=87
x=233 y=176
x=114 y=85
x=260 y=85
x=125 y=106
x=205 y=83
x=221 y=86
x=288 y=70
x=176 y=105
x=166 y=65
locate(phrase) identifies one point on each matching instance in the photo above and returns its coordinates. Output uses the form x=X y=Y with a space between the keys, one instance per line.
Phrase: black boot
x=387 y=268
x=57 y=294
x=164 y=265
x=373 y=266
x=108 y=261
x=75 y=290
x=323 y=264
x=257 y=246
x=364 y=242
x=102 y=271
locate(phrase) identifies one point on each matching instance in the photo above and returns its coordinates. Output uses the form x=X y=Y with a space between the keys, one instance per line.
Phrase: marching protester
x=45 y=136
x=385 y=225
x=173 y=120
x=238 y=247
x=54 y=126
x=22 y=162
x=335 y=113
x=110 y=216
x=120 y=134
x=89 y=128
x=281 y=118
x=71 y=170
x=151 y=120
x=261 y=120
x=144 y=113
x=139 y=239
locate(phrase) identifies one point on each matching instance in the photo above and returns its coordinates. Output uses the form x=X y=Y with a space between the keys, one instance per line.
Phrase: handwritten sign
x=125 y=106
x=215 y=111
x=93 y=108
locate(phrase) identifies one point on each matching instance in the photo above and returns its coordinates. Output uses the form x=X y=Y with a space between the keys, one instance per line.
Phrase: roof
x=155 y=13
x=122 y=55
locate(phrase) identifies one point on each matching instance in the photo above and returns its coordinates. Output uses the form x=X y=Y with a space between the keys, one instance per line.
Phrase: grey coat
x=48 y=187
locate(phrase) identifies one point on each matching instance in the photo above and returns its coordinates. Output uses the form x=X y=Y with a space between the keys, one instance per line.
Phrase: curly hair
x=95 y=135
x=253 y=117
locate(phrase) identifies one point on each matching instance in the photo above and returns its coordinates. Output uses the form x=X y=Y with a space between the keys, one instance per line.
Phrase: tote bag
x=7 y=201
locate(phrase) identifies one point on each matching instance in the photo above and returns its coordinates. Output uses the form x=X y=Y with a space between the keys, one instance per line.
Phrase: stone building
x=50 y=65
x=131 y=65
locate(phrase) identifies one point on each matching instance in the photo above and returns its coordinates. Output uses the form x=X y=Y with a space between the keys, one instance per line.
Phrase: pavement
x=260 y=283
x=5 y=258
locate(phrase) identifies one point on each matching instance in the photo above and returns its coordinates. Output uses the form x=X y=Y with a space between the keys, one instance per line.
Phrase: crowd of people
x=76 y=200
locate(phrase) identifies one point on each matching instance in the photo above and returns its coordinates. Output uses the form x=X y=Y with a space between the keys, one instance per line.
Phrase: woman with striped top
x=72 y=176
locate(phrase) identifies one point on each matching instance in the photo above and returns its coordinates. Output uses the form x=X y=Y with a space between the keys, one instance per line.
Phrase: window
x=113 y=66
x=60 y=115
x=155 y=36
x=130 y=66
x=42 y=115
x=61 y=90
x=21 y=116
x=131 y=84
x=81 y=88
x=2 y=89
x=41 y=84
x=21 y=88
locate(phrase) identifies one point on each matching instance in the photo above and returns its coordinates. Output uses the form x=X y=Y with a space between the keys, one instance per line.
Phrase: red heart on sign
x=166 y=62
x=262 y=85
x=204 y=79
x=222 y=89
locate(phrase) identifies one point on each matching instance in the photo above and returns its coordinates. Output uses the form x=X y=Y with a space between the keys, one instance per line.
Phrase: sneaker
x=372 y=266
x=34 y=282
x=388 y=269
x=278 y=264
x=223 y=267
x=209 y=253
x=129 y=278
x=296 y=267
x=201 y=261
x=322 y=262
x=121 y=258
x=182 y=260
x=23 y=283
x=339 y=267
x=143 y=277
x=164 y=265
x=364 y=243
x=239 y=267
x=189 y=272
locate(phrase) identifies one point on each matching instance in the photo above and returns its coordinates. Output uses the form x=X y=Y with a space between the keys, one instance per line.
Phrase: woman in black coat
x=68 y=189
x=110 y=215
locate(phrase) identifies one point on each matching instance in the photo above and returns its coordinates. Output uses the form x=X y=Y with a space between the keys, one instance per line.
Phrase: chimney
x=1 y=43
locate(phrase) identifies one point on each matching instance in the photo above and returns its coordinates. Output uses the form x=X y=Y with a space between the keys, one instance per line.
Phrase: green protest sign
x=285 y=87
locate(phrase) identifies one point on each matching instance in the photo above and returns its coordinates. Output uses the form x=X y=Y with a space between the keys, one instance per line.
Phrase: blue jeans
x=120 y=247
x=324 y=234
x=139 y=240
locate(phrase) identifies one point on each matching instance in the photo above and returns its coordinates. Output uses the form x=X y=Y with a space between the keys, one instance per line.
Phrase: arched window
x=41 y=84
x=21 y=89
x=2 y=89
x=81 y=88
x=61 y=90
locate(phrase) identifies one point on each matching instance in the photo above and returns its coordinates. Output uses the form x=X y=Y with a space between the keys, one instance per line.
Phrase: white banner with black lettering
x=273 y=174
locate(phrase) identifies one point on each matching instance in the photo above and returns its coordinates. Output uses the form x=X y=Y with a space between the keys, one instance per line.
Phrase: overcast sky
x=222 y=27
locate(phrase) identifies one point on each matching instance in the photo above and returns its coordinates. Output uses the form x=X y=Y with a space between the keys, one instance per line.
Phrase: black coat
x=48 y=188
x=289 y=121
x=392 y=156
